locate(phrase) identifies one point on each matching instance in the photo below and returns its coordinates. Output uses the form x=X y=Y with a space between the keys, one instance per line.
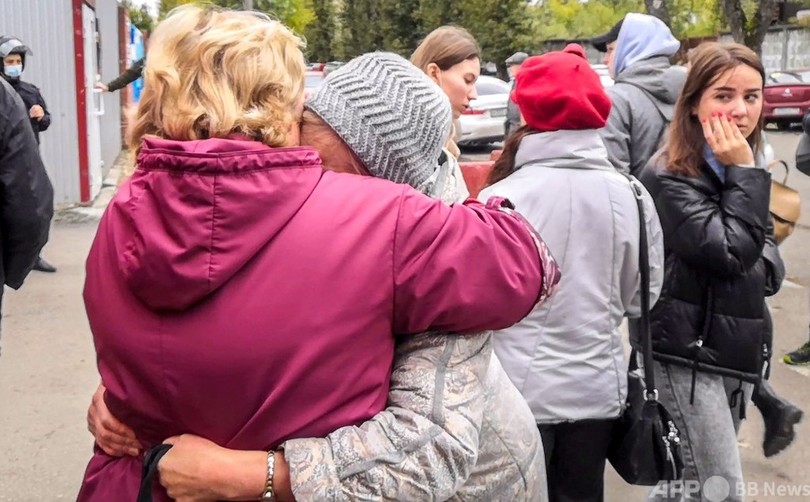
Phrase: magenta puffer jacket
x=241 y=293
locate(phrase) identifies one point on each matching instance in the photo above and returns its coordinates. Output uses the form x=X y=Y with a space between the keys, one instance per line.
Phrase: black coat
x=131 y=74
x=26 y=195
x=31 y=96
x=721 y=263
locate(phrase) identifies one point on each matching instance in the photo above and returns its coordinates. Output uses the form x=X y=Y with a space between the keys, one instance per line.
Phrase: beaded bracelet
x=269 y=495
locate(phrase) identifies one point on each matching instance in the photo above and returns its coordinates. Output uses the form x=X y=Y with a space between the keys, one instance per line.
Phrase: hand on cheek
x=726 y=140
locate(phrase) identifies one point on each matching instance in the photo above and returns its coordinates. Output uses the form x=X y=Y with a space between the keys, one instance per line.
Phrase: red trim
x=81 y=102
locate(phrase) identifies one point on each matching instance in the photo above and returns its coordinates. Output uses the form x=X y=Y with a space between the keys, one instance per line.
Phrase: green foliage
x=567 y=19
x=359 y=28
x=399 y=25
x=501 y=28
x=320 y=33
x=294 y=13
x=139 y=16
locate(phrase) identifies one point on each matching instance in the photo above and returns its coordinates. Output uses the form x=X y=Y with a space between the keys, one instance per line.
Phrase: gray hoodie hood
x=656 y=76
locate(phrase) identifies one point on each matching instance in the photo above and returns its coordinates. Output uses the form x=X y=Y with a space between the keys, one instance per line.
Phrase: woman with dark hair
x=710 y=328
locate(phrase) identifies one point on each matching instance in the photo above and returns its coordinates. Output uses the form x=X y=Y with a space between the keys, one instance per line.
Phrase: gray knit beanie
x=393 y=116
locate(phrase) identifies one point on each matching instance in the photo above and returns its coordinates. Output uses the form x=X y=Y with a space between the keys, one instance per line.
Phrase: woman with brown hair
x=450 y=56
x=709 y=328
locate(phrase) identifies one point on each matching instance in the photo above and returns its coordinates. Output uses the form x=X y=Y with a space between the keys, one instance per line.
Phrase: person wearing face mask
x=710 y=327
x=645 y=89
x=13 y=53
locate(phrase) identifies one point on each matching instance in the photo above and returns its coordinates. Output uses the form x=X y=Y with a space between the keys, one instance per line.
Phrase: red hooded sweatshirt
x=243 y=294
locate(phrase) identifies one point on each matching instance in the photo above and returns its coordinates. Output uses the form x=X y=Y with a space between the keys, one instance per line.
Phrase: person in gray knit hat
x=393 y=118
x=442 y=424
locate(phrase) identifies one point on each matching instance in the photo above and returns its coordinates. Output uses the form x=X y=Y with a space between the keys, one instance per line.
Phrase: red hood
x=195 y=212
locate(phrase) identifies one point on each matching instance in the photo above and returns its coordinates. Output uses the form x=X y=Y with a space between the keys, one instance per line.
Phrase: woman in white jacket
x=567 y=357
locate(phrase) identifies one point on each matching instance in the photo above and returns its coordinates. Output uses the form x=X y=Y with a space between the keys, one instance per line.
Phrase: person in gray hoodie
x=646 y=88
x=566 y=357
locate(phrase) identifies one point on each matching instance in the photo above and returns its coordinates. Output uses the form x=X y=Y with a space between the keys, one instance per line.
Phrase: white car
x=484 y=120
x=604 y=74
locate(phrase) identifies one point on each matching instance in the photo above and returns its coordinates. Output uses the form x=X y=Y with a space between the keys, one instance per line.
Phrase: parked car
x=787 y=97
x=332 y=66
x=604 y=74
x=312 y=79
x=483 y=121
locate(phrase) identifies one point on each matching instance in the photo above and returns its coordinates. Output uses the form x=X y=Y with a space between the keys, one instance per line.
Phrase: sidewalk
x=79 y=213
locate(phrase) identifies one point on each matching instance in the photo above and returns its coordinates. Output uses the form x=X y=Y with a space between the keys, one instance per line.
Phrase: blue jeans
x=709 y=429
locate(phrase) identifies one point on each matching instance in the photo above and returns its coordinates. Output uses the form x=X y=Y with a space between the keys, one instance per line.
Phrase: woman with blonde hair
x=238 y=292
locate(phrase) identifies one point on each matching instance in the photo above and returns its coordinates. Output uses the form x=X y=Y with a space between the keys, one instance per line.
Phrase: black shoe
x=799 y=357
x=780 y=416
x=43 y=266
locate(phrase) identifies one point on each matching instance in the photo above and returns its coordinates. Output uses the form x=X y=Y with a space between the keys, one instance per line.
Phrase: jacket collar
x=564 y=149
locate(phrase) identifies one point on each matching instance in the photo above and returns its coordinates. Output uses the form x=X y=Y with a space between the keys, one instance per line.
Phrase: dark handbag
x=803 y=153
x=645 y=448
x=150 y=470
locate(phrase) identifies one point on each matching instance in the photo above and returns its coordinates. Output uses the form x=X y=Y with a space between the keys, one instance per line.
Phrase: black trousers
x=575 y=459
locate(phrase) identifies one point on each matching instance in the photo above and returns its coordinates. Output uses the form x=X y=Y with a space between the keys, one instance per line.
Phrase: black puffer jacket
x=26 y=195
x=31 y=96
x=721 y=263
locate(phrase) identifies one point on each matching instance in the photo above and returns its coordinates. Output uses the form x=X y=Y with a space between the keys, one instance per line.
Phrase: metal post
x=247 y=4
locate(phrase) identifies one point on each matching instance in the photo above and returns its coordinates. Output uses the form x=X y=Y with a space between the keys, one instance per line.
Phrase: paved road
x=47 y=374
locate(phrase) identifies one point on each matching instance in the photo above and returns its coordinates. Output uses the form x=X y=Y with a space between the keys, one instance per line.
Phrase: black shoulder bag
x=645 y=448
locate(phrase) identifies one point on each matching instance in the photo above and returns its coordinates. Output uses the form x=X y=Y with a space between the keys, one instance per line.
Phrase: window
x=312 y=81
x=784 y=78
x=491 y=86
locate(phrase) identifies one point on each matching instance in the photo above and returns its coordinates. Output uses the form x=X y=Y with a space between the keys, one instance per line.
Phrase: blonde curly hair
x=212 y=72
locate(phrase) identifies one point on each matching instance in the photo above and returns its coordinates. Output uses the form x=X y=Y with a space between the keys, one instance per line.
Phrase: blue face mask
x=13 y=71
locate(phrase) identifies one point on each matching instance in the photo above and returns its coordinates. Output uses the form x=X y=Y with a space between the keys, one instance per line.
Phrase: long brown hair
x=505 y=164
x=684 y=148
x=446 y=47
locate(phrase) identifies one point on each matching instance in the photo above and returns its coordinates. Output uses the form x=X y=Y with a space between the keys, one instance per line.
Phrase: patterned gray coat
x=455 y=427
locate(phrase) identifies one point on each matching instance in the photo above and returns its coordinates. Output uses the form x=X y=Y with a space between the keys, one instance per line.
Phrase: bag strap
x=665 y=116
x=644 y=269
x=150 y=464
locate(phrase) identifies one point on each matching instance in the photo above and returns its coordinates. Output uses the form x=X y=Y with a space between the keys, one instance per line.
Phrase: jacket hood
x=642 y=37
x=658 y=77
x=196 y=212
x=565 y=149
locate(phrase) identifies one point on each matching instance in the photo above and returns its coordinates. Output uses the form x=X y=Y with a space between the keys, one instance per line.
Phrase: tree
x=139 y=16
x=749 y=20
x=658 y=8
x=293 y=13
x=560 y=19
x=400 y=27
x=501 y=28
x=320 y=34
x=357 y=19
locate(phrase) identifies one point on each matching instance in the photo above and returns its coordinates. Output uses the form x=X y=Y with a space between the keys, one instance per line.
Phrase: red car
x=787 y=97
